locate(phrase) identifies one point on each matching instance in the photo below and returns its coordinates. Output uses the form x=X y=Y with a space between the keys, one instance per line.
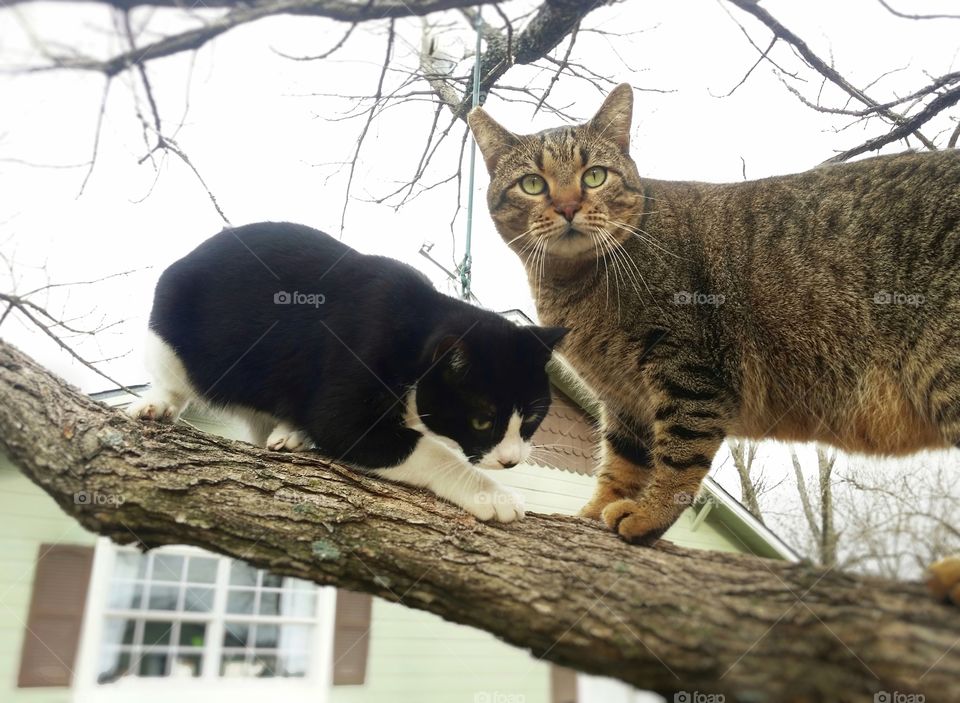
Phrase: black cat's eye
x=530 y=419
x=533 y=184
x=481 y=424
x=594 y=176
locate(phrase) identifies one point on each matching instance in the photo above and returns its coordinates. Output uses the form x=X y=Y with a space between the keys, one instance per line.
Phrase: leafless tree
x=542 y=34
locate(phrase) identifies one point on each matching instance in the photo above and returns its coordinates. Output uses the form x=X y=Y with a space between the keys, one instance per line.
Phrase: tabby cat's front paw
x=633 y=523
x=943 y=579
x=495 y=503
x=593 y=510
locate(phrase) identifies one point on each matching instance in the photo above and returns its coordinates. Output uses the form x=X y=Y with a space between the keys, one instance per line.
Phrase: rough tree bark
x=666 y=618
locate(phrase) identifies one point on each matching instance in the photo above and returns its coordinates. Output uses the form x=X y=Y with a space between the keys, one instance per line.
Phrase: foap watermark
x=685 y=297
x=100 y=499
x=497 y=498
x=282 y=297
x=684 y=498
x=898 y=697
x=498 y=697
x=697 y=697
x=886 y=297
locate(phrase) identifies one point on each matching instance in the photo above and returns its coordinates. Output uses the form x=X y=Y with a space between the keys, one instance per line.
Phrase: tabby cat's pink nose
x=568 y=209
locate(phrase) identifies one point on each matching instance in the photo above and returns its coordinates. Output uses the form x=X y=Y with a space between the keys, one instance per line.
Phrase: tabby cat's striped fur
x=820 y=306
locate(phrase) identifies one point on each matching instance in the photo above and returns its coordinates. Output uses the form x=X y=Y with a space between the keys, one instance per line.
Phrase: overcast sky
x=258 y=127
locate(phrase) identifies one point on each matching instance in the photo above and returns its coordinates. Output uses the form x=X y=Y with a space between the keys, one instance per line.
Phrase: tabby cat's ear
x=549 y=337
x=615 y=115
x=494 y=141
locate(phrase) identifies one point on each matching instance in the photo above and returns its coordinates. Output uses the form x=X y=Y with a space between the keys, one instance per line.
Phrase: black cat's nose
x=507 y=464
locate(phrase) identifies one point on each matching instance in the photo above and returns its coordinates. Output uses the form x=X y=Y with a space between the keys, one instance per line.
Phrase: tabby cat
x=313 y=343
x=822 y=306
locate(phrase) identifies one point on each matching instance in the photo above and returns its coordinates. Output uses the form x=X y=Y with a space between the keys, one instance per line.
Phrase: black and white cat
x=313 y=343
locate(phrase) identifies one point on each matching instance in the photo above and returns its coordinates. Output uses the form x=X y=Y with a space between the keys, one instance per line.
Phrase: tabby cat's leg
x=943 y=579
x=625 y=463
x=688 y=429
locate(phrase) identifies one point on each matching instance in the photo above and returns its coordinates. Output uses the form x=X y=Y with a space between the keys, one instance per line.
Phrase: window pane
x=186 y=665
x=242 y=574
x=264 y=665
x=167 y=567
x=198 y=600
x=240 y=602
x=130 y=565
x=272 y=581
x=234 y=665
x=192 y=634
x=269 y=603
x=117 y=631
x=292 y=664
x=163 y=597
x=236 y=634
x=156 y=633
x=125 y=596
x=298 y=603
x=299 y=585
x=202 y=570
x=153 y=664
x=267 y=636
x=113 y=665
x=293 y=637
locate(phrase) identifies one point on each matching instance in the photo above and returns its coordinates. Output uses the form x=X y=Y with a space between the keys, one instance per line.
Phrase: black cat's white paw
x=155 y=409
x=495 y=503
x=286 y=439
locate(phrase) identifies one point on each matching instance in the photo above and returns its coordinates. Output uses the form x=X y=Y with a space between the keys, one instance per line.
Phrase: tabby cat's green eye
x=481 y=424
x=532 y=184
x=594 y=176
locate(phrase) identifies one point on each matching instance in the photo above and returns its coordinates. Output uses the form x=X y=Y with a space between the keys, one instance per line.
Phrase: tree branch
x=815 y=62
x=666 y=619
x=244 y=13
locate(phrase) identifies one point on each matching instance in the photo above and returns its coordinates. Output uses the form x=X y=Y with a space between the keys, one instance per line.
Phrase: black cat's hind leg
x=287 y=438
x=170 y=391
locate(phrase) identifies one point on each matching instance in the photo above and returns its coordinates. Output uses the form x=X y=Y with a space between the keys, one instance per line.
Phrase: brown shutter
x=567 y=437
x=351 y=638
x=563 y=685
x=52 y=634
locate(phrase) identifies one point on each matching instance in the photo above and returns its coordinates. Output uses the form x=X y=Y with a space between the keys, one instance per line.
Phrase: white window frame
x=210 y=687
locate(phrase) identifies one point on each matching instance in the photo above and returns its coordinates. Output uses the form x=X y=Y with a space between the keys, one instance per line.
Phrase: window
x=188 y=616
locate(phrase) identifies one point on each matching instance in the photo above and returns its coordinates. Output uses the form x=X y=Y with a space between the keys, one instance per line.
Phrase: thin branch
x=23 y=307
x=366 y=126
x=96 y=135
x=917 y=17
x=326 y=54
x=815 y=62
x=934 y=108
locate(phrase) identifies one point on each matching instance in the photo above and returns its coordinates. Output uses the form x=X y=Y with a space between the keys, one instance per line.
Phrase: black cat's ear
x=494 y=141
x=615 y=115
x=549 y=337
x=451 y=352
